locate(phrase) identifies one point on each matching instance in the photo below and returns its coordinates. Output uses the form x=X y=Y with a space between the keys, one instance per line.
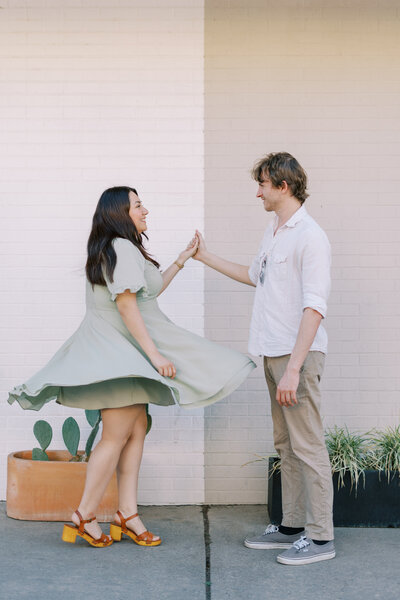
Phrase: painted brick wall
x=95 y=94
x=316 y=79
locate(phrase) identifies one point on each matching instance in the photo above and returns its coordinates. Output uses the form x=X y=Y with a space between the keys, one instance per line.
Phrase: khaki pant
x=307 y=491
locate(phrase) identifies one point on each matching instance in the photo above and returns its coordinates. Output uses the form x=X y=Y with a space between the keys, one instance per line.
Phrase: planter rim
x=55 y=456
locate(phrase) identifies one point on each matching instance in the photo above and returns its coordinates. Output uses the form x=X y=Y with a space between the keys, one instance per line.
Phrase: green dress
x=102 y=366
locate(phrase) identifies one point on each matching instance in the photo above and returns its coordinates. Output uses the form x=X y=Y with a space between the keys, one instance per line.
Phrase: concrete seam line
x=207 y=541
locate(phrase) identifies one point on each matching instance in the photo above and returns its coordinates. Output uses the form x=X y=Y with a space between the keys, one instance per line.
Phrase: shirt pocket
x=279 y=267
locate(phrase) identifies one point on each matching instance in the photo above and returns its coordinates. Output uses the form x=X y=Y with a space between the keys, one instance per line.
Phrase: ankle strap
x=125 y=519
x=83 y=521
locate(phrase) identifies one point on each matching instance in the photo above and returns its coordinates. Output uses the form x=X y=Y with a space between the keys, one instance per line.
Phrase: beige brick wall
x=319 y=80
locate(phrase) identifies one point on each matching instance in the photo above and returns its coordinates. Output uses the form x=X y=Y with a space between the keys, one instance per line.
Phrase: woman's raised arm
x=178 y=264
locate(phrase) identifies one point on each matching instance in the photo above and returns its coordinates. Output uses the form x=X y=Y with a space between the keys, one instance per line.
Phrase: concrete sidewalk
x=36 y=564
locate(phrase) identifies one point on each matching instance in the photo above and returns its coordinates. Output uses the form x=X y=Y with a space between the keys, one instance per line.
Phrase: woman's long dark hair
x=110 y=220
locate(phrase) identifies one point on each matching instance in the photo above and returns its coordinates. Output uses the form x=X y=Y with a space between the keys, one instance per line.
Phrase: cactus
x=39 y=454
x=149 y=419
x=43 y=433
x=71 y=436
x=93 y=417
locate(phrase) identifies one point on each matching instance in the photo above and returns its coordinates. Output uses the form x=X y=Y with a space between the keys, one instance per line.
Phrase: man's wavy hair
x=280 y=167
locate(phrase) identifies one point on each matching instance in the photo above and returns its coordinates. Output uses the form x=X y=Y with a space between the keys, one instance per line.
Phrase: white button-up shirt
x=291 y=272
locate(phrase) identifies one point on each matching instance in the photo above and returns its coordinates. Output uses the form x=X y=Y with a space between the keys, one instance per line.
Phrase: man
x=291 y=273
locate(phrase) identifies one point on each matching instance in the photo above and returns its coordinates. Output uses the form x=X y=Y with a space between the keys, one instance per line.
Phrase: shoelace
x=301 y=543
x=271 y=529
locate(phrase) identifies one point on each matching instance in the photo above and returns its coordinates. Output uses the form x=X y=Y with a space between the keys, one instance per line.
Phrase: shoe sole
x=305 y=561
x=269 y=546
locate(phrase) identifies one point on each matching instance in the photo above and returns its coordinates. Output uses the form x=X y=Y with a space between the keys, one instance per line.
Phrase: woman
x=125 y=355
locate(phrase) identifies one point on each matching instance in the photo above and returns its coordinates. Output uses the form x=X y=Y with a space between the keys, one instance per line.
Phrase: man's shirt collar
x=299 y=215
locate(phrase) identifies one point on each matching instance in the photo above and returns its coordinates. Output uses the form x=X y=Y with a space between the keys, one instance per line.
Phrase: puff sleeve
x=129 y=270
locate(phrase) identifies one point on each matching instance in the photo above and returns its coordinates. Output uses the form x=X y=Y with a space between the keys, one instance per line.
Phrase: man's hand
x=201 y=247
x=287 y=388
x=226 y=267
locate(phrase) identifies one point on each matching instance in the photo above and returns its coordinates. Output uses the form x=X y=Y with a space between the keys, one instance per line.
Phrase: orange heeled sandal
x=144 y=539
x=71 y=531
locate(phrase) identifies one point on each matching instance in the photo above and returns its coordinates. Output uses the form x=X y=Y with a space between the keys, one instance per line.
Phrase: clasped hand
x=190 y=250
x=195 y=248
x=164 y=366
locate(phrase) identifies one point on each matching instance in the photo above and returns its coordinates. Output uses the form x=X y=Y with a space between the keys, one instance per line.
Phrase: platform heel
x=115 y=532
x=69 y=534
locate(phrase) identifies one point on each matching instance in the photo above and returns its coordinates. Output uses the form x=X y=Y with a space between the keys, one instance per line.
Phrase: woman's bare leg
x=128 y=473
x=118 y=424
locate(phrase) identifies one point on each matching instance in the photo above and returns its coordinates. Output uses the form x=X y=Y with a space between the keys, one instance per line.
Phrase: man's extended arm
x=226 y=267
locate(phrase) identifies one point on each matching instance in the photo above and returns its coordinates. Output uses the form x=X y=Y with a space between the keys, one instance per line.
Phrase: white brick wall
x=95 y=94
x=315 y=79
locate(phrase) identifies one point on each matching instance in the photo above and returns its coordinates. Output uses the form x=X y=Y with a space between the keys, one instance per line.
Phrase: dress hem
x=25 y=400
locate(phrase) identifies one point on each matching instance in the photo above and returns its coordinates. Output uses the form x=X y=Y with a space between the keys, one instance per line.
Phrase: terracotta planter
x=51 y=490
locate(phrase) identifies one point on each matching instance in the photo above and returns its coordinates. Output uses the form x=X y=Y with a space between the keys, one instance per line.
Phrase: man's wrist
x=203 y=257
x=293 y=368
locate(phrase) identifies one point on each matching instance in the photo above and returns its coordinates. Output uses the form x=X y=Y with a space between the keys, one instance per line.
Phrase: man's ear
x=284 y=187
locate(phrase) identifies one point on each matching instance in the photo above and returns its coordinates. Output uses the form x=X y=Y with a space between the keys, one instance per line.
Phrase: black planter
x=377 y=504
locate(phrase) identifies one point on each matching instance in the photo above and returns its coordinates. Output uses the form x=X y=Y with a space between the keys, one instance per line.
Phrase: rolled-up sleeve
x=315 y=270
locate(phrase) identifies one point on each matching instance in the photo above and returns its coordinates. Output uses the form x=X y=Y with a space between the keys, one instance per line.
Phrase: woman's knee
x=118 y=439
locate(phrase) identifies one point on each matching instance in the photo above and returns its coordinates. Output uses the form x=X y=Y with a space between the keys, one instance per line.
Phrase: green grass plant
x=385 y=451
x=348 y=453
x=355 y=453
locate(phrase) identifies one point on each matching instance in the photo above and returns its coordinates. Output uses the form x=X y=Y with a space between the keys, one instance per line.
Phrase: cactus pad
x=149 y=419
x=71 y=435
x=93 y=417
x=43 y=433
x=39 y=454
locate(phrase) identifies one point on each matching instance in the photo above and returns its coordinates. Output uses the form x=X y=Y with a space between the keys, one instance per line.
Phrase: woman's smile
x=137 y=212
